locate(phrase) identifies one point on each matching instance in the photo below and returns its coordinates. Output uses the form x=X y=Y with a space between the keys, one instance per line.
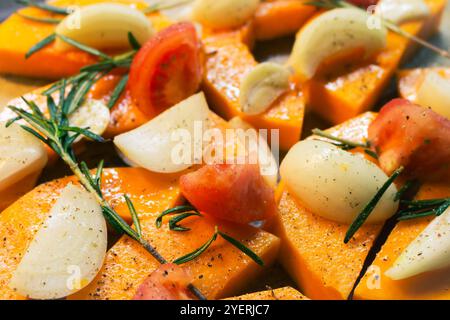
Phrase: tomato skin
x=363 y=3
x=406 y=134
x=167 y=69
x=168 y=282
x=232 y=192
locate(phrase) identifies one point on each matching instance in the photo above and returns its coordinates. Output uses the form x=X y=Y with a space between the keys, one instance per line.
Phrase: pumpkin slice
x=313 y=250
x=285 y=293
x=350 y=89
x=18 y=35
x=280 y=18
x=229 y=60
x=431 y=285
x=20 y=222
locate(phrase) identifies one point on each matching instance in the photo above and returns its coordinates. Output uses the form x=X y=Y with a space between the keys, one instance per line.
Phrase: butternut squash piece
x=277 y=18
x=313 y=250
x=409 y=81
x=18 y=35
x=285 y=293
x=431 y=285
x=351 y=89
x=227 y=63
x=15 y=191
x=20 y=222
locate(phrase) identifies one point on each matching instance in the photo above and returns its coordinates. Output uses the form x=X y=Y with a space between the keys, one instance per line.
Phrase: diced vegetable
x=232 y=192
x=167 y=69
x=334 y=183
x=405 y=134
x=262 y=86
x=67 y=251
x=334 y=32
x=428 y=252
x=399 y=11
x=105 y=26
x=21 y=154
x=224 y=14
x=159 y=144
x=434 y=92
x=92 y=114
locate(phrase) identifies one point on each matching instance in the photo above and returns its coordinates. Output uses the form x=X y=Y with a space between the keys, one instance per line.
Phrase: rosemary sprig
x=184 y=212
x=423 y=208
x=39 y=19
x=333 y=4
x=120 y=87
x=55 y=131
x=44 y=6
x=163 y=5
x=40 y=45
x=346 y=144
x=365 y=213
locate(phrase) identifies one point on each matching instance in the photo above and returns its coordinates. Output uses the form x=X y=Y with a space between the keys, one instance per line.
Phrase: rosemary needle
x=362 y=217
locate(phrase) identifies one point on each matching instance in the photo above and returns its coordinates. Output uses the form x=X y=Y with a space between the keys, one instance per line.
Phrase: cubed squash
x=221 y=271
x=434 y=285
x=313 y=250
x=351 y=89
x=409 y=80
x=18 y=35
x=15 y=191
x=20 y=222
x=285 y=293
x=228 y=61
x=280 y=18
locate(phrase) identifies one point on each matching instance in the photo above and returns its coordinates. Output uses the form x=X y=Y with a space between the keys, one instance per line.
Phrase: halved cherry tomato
x=406 y=134
x=167 y=69
x=232 y=192
x=168 y=282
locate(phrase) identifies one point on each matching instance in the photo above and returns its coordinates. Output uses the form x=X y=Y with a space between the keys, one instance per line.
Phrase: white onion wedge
x=334 y=183
x=333 y=32
x=434 y=92
x=21 y=154
x=428 y=252
x=224 y=14
x=268 y=165
x=67 y=251
x=92 y=114
x=262 y=86
x=168 y=142
x=399 y=11
x=104 y=26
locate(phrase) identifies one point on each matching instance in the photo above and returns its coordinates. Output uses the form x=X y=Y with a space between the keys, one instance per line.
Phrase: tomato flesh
x=406 y=134
x=167 y=69
x=232 y=192
x=168 y=282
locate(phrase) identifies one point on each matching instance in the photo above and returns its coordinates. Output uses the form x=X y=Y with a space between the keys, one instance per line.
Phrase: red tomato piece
x=167 y=69
x=168 y=282
x=363 y=3
x=232 y=192
x=405 y=134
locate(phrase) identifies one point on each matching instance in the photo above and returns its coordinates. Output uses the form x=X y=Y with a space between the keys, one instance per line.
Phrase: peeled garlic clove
x=434 y=92
x=92 y=114
x=224 y=14
x=167 y=143
x=333 y=32
x=67 y=251
x=334 y=183
x=268 y=165
x=21 y=154
x=104 y=26
x=262 y=86
x=428 y=252
x=399 y=11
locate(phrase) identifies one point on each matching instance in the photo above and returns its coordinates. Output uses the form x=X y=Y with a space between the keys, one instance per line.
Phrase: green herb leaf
x=117 y=91
x=197 y=252
x=83 y=47
x=243 y=248
x=362 y=217
x=39 y=19
x=341 y=141
x=174 y=210
x=44 y=6
x=134 y=215
x=40 y=45
x=134 y=43
x=174 y=222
